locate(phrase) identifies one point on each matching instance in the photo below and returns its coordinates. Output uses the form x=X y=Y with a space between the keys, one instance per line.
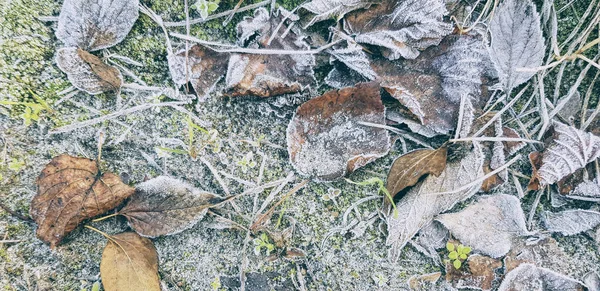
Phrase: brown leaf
x=535 y=158
x=164 y=206
x=325 y=138
x=70 y=190
x=205 y=67
x=129 y=262
x=409 y=168
x=87 y=72
x=423 y=282
x=491 y=182
x=479 y=275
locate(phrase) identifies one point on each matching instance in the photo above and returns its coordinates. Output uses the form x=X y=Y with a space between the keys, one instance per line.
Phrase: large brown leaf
x=129 y=262
x=409 y=168
x=325 y=138
x=87 y=72
x=163 y=206
x=70 y=190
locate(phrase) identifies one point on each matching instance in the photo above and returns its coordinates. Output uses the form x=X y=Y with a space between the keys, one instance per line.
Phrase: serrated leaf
x=409 y=168
x=569 y=150
x=165 y=206
x=517 y=41
x=87 y=72
x=326 y=9
x=93 y=24
x=431 y=197
x=325 y=138
x=129 y=262
x=71 y=190
x=488 y=226
x=400 y=28
x=530 y=277
x=571 y=222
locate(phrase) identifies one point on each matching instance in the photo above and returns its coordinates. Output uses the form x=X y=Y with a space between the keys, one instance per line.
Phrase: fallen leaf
x=569 y=150
x=430 y=238
x=328 y=9
x=71 y=190
x=592 y=281
x=423 y=282
x=479 y=275
x=535 y=159
x=571 y=222
x=325 y=138
x=129 y=262
x=87 y=72
x=355 y=58
x=205 y=67
x=409 y=168
x=586 y=191
x=542 y=252
x=491 y=182
x=431 y=197
x=517 y=41
x=532 y=278
x=488 y=225
x=91 y=25
x=399 y=28
x=165 y=206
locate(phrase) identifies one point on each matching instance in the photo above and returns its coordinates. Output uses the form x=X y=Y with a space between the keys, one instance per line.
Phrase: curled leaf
x=129 y=262
x=92 y=25
x=165 y=206
x=326 y=139
x=70 y=190
x=87 y=72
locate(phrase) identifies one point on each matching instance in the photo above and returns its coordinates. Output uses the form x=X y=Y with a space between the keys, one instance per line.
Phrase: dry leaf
x=400 y=28
x=355 y=58
x=328 y=9
x=205 y=67
x=431 y=197
x=423 y=282
x=71 y=190
x=409 y=168
x=532 y=278
x=517 y=41
x=431 y=237
x=129 y=262
x=87 y=72
x=165 y=206
x=571 y=222
x=479 y=275
x=535 y=159
x=586 y=191
x=592 y=281
x=488 y=225
x=542 y=252
x=92 y=25
x=325 y=138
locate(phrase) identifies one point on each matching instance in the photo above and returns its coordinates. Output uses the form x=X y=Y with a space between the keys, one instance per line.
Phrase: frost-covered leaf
x=129 y=262
x=571 y=222
x=489 y=225
x=354 y=57
x=542 y=252
x=429 y=198
x=269 y=75
x=587 y=191
x=96 y=24
x=431 y=237
x=479 y=275
x=516 y=41
x=71 y=190
x=325 y=138
x=423 y=282
x=592 y=281
x=409 y=168
x=532 y=278
x=400 y=28
x=87 y=72
x=569 y=150
x=165 y=206
x=336 y=9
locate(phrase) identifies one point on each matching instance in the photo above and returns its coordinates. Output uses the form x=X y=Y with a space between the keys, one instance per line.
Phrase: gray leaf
x=592 y=281
x=356 y=59
x=516 y=41
x=586 y=191
x=431 y=237
x=96 y=24
x=571 y=222
x=531 y=278
x=327 y=9
x=421 y=204
x=87 y=72
x=165 y=206
x=489 y=225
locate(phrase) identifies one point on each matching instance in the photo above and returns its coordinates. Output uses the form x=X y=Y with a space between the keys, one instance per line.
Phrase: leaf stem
x=105 y=217
x=100 y=232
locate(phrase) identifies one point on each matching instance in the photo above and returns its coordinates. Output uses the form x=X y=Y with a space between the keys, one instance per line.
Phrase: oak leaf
x=70 y=190
x=87 y=72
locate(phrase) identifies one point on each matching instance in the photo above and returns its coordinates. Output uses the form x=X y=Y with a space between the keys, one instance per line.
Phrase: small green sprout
x=16 y=165
x=263 y=242
x=206 y=7
x=381 y=185
x=458 y=254
x=247 y=162
x=216 y=283
x=380 y=280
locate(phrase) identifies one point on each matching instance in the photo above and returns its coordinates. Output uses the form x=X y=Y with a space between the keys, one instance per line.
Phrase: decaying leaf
x=87 y=72
x=325 y=138
x=165 y=206
x=92 y=25
x=570 y=149
x=129 y=262
x=530 y=277
x=517 y=41
x=327 y=9
x=587 y=191
x=70 y=190
x=409 y=168
x=355 y=58
x=535 y=159
x=431 y=237
x=479 y=275
x=431 y=197
x=489 y=225
x=269 y=75
x=423 y=282
x=400 y=28
x=542 y=252
x=571 y=222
